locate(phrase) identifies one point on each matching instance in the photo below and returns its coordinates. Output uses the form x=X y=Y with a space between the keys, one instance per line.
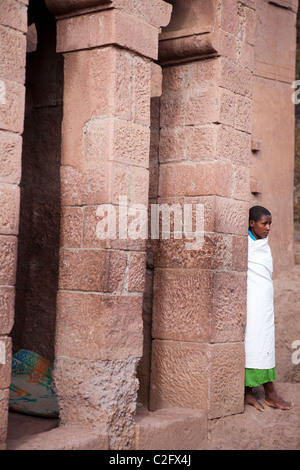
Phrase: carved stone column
x=199 y=306
x=108 y=47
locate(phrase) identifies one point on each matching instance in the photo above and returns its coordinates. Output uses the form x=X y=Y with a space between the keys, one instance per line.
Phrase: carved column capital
x=86 y=24
x=178 y=49
x=192 y=33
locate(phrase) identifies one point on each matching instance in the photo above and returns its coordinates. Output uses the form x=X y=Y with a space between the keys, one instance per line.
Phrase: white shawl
x=259 y=334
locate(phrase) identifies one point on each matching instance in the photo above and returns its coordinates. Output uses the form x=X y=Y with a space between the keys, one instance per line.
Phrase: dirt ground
x=254 y=430
x=251 y=430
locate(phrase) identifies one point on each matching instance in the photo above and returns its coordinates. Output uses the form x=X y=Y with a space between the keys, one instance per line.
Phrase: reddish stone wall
x=297 y=138
x=198 y=125
x=272 y=161
x=13 y=26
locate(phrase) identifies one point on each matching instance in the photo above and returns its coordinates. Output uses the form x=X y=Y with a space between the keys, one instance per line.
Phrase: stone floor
x=21 y=426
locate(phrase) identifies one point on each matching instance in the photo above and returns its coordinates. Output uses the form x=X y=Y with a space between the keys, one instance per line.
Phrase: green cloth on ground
x=257 y=377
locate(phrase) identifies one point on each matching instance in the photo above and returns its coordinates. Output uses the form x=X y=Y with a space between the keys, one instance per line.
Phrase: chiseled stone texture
x=195 y=179
x=13 y=14
x=116 y=85
x=86 y=185
x=12 y=47
x=92 y=238
x=136 y=272
x=172 y=253
x=201 y=143
x=180 y=375
x=99 y=395
x=203 y=376
x=10 y=207
x=71 y=227
x=229 y=304
x=156 y=12
x=5 y=361
x=99 y=326
x=105 y=153
x=92 y=270
x=182 y=304
x=227 y=379
x=7 y=306
x=10 y=157
x=8 y=260
x=199 y=305
x=12 y=106
x=4 y=396
x=231 y=216
x=116 y=140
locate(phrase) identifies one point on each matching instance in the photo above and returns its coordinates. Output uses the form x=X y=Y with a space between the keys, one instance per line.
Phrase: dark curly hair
x=257 y=212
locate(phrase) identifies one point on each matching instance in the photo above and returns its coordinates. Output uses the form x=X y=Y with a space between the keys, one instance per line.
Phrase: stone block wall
x=13 y=26
x=185 y=97
x=273 y=123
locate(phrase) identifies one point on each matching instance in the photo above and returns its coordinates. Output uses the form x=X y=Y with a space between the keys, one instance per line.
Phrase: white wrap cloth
x=260 y=330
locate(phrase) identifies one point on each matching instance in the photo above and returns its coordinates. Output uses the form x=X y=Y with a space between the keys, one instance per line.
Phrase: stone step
x=170 y=429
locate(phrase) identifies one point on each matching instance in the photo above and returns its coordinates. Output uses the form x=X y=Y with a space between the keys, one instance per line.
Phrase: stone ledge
x=170 y=429
x=62 y=438
x=104 y=28
x=60 y=7
x=183 y=46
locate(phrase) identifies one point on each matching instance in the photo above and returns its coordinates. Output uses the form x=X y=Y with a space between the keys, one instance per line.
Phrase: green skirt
x=257 y=377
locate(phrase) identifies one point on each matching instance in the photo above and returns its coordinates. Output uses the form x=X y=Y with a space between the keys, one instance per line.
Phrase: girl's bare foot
x=277 y=402
x=251 y=400
x=273 y=399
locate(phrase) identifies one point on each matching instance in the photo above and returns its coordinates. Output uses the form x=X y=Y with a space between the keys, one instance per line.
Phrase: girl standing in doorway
x=259 y=335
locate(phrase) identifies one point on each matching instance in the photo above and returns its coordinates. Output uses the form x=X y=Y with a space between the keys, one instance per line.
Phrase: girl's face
x=261 y=228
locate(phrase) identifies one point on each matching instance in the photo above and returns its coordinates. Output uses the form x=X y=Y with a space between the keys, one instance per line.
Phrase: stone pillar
x=199 y=305
x=108 y=48
x=13 y=26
